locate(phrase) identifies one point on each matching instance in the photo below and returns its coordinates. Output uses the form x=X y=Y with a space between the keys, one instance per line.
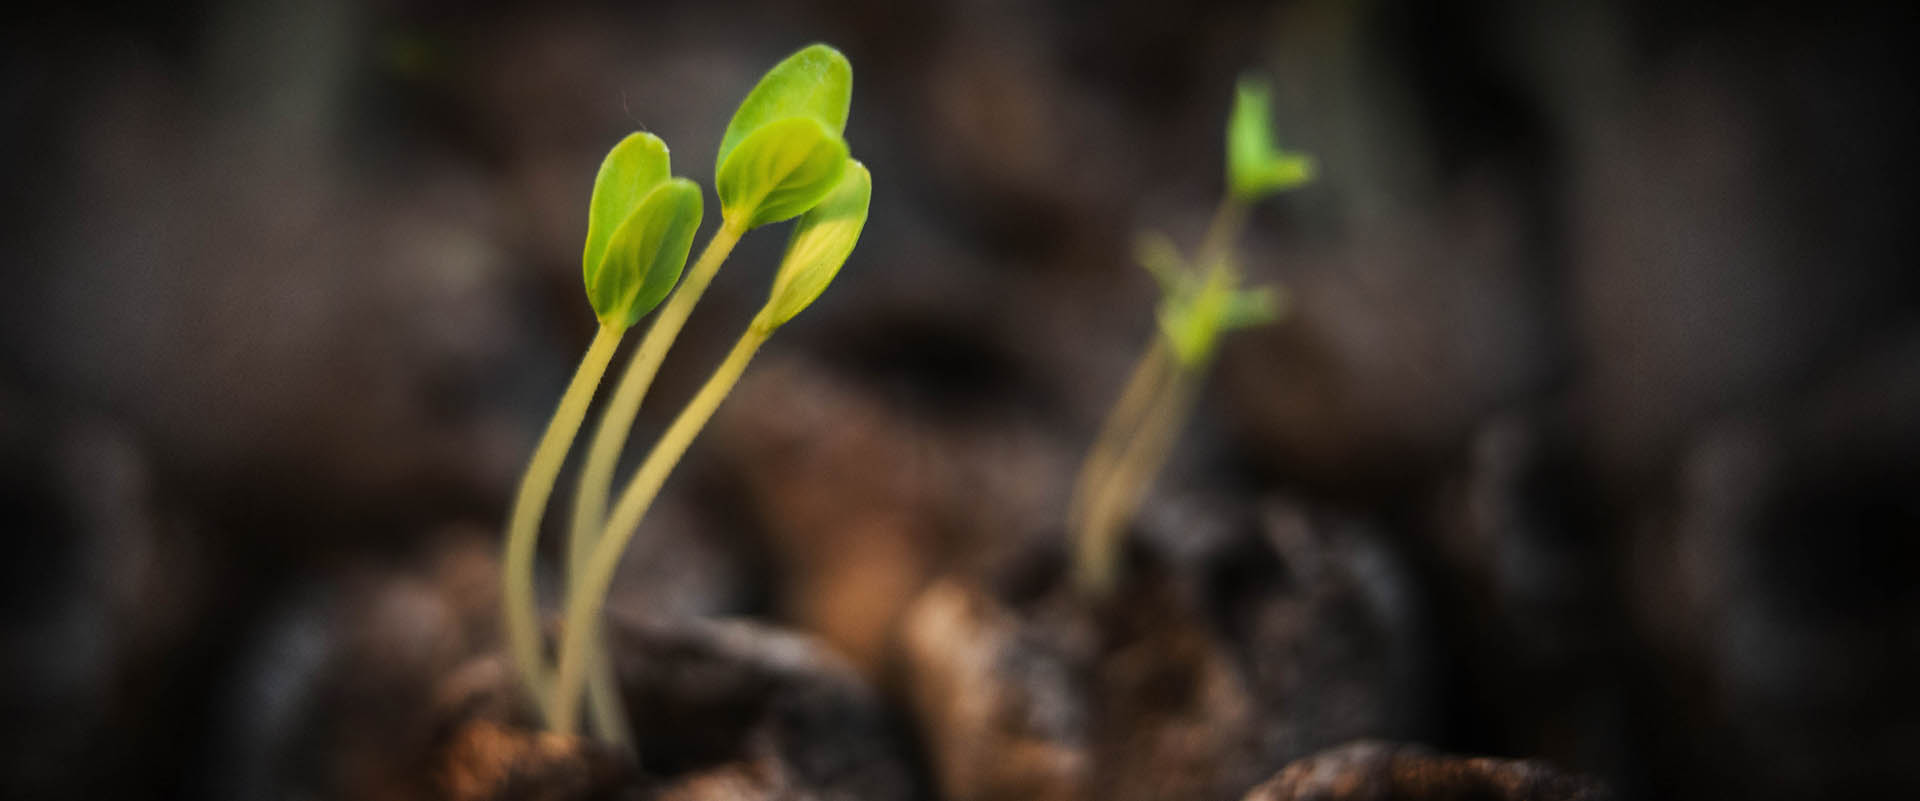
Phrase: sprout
x=781 y=157
x=821 y=243
x=640 y=224
x=1200 y=300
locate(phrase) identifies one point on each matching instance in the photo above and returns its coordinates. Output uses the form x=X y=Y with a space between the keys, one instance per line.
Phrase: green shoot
x=1201 y=299
x=1256 y=166
x=821 y=243
x=782 y=153
x=811 y=90
x=640 y=225
x=771 y=157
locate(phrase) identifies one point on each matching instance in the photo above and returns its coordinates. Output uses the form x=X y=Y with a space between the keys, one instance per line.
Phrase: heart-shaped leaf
x=646 y=253
x=815 y=83
x=779 y=172
x=821 y=243
x=635 y=167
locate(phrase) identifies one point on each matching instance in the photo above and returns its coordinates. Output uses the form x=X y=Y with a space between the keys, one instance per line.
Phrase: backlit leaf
x=645 y=255
x=779 y=172
x=820 y=245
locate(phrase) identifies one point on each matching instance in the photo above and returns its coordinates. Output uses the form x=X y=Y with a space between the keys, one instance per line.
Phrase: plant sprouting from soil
x=783 y=156
x=1200 y=299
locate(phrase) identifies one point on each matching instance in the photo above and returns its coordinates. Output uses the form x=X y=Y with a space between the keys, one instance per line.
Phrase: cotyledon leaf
x=645 y=255
x=820 y=245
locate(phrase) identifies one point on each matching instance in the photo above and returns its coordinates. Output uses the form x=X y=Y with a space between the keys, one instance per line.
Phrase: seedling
x=1200 y=300
x=782 y=156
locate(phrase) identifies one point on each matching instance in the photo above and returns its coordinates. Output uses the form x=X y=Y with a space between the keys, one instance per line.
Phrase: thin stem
x=605 y=713
x=588 y=595
x=519 y=608
x=1118 y=498
x=603 y=457
x=1149 y=374
x=1228 y=218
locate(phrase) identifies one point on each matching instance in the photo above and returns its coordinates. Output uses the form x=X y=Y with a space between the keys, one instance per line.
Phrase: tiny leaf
x=779 y=172
x=815 y=83
x=635 y=167
x=1256 y=166
x=821 y=243
x=1193 y=320
x=646 y=254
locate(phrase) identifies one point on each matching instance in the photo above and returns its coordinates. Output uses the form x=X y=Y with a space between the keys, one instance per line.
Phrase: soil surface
x=1377 y=771
x=1212 y=664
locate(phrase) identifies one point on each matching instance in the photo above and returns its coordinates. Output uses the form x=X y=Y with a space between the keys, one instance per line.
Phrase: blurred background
x=1603 y=323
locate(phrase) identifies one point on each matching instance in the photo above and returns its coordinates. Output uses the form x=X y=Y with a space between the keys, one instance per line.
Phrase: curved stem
x=603 y=457
x=1118 y=498
x=589 y=593
x=1227 y=221
x=605 y=712
x=610 y=436
x=519 y=609
x=1149 y=374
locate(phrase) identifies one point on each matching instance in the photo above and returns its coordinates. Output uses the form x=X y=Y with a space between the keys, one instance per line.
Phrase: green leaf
x=1194 y=319
x=821 y=243
x=646 y=253
x=779 y=172
x=815 y=83
x=635 y=167
x=1256 y=166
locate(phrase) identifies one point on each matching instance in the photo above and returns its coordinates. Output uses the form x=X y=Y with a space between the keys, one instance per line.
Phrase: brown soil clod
x=1224 y=655
x=1379 y=771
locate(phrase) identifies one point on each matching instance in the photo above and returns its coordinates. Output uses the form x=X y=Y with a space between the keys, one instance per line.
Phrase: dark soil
x=1375 y=771
x=1211 y=666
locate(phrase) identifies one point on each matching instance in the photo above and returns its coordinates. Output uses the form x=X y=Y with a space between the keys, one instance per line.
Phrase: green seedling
x=782 y=156
x=820 y=244
x=1200 y=300
x=640 y=227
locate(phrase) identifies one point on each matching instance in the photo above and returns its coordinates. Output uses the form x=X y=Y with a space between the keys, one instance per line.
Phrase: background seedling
x=1200 y=299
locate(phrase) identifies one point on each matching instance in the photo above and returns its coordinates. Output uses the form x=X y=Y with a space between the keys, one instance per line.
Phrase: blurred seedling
x=783 y=156
x=1201 y=299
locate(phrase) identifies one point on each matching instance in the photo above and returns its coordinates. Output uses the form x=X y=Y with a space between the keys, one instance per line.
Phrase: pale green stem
x=586 y=598
x=603 y=457
x=1118 y=499
x=519 y=608
x=1227 y=221
x=1149 y=373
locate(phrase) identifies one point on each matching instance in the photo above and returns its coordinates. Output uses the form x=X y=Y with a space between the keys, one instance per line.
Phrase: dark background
x=1603 y=314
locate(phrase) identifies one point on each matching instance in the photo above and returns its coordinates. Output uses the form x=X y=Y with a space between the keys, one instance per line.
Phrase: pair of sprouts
x=1200 y=299
x=783 y=156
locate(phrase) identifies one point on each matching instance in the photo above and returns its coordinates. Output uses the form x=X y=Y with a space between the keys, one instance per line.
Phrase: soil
x=1221 y=657
x=722 y=711
x=1376 y=771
